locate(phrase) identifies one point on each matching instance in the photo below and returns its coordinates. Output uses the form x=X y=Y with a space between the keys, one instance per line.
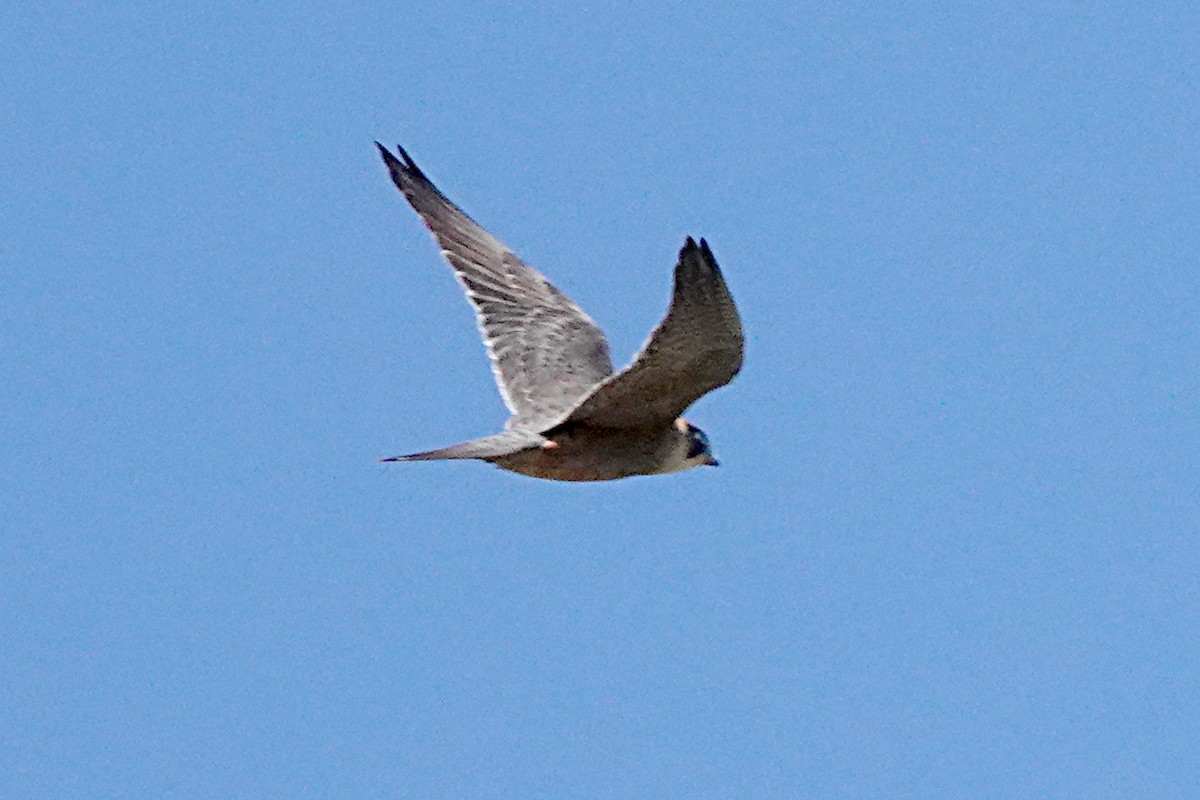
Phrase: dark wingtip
x=387 y=156
x=690 y=246
x=393 y=458
x=405 y=161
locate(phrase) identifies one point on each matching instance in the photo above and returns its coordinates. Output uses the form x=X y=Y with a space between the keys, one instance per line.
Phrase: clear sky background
x=953 y=549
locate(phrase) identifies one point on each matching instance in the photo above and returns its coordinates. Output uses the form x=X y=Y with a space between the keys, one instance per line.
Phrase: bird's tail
x=498 y=444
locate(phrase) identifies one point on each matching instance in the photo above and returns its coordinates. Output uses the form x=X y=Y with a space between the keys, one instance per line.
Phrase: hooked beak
x=711 y=461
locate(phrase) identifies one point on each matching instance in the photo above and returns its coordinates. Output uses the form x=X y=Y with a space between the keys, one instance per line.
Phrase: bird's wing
x=546 y=352
x=696 y=348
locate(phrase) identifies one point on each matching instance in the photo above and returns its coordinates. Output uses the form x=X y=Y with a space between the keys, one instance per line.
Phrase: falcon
x=573 y=417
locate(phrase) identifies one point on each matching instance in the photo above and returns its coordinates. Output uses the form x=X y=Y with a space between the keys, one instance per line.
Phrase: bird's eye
x=699 y=445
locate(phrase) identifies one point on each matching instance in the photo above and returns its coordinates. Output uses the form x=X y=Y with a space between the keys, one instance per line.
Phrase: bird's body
x=573 y=418
x=583 y=452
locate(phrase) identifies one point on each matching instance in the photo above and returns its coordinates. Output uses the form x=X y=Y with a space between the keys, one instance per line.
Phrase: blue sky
x=952 y=550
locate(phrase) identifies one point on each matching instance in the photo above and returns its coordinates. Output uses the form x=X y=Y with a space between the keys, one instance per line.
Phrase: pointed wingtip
x=404 y=160
x=690 y=246
x=387 y=156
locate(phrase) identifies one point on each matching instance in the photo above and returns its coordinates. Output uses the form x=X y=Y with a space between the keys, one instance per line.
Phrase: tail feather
x=494 y=446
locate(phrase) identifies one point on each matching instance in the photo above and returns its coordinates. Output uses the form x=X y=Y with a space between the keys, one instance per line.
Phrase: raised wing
x=546 y=352
x=696 y=348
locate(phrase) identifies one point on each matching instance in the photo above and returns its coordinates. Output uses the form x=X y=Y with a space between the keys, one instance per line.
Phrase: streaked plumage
x=573 y=418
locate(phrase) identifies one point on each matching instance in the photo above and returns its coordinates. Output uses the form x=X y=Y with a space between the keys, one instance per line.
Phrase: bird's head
x=699 y=452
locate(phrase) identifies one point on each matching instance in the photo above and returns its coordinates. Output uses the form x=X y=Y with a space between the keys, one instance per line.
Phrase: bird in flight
x=573 y=417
